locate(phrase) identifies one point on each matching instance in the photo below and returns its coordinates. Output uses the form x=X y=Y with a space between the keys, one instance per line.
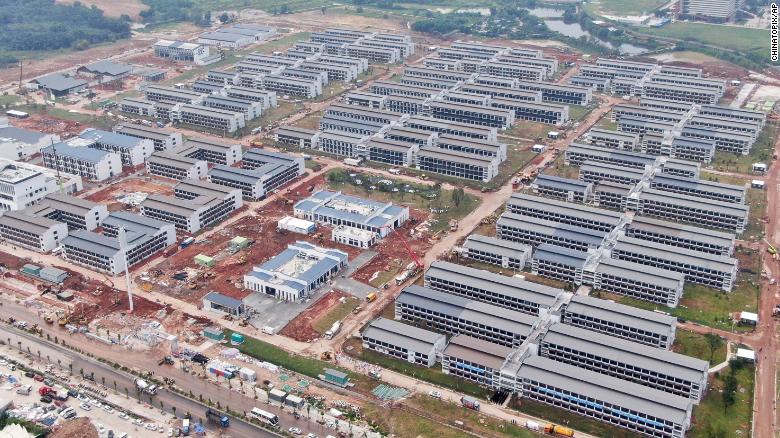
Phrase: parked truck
x=215 y=417
x=185 y=426
x=334 y=330
x=143 y=386
x=470 y=402
x=554 y=429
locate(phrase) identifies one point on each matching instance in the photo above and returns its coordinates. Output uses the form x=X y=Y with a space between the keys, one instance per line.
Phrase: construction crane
x=414 y=257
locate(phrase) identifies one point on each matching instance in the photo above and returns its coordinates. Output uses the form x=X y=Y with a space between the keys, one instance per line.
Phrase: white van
x=24 y=390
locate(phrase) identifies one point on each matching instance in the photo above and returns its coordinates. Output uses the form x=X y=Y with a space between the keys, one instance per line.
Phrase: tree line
x=36 y=25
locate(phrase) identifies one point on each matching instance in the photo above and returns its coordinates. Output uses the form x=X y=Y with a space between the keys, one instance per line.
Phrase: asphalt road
x=238 y=428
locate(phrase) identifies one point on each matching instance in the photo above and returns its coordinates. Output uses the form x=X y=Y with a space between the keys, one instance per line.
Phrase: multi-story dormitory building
x=38 y=233
x=159 y=93
x=211 y=151
x=452 y=314
x=473 y=114
x=293 y=135
x=222 y=77
x=210 y=118
x=471 y=146
x=624 y=404
x=175 y=166
x=211 y=204
x=500 y=92
x=77 y=213
x=570 y=190
x=262 y=173
x=294 y=86
x=700 y=188
x=725 y=140
x=435 y=84
x=597 y=172
x=437 y=74
x=410 y=344
x=495 y=289
x=681 y=235
x=578 y=153
x=718 y=85
x=456 y=163
x=394 y=152
x=103 y=252
x=474 y=359
x=692 y=149
x=459 y=129
x=663 y=370
x=363 y=114
x=712 y=270
x=347 y=124
x=362 y=98
x=406 y=134
x=267 y=99
x=142 y=107
x=690 y=208
x=248 y=108
x=385 y=88
x=406 y=104
x=563 y=212
x=499 y=252
x=505 y=69
x=611 y=195
x=643 y=113
x=343 y=143
x=535 y=231
x=566 y=94
x=600 y=85
x=693 y=94
x=534 y=111
x=559 y=263
x=643 y=126
x=443 y=64
x=73 y=156
x=635 y=280
x=626 y=322
x=612 y=139
x=162 y=140
x=335 y=71
x=132 y=150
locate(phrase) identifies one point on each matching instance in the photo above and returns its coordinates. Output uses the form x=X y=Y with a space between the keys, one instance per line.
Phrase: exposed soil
x=301 y=329
x=129 y=185
x=76 y=428
x=50 y=125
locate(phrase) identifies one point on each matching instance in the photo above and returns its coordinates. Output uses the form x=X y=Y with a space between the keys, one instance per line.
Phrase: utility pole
x=123 y=246
x=20 y=75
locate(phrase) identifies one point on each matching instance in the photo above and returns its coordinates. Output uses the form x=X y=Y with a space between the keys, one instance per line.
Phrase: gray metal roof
x=469 y=310
x=173 y=160
x=638 y=159
x=62 y=149
x=557 y=182
x=617 y=392
x=621 y=314
x=477 y=351
x=632 y=173
x=695 y=202
x=456 y=156
x=223 y=300
x=505 y=248
x=632 y=353
x=682 y=231
x=26 y=222
x=560 y=255
x=676 y=254
x=59 y=82
x=108 y=67
x=700 y=185
x=402 y=335
x=586 y=236
x=641 y=273
x=205 y=188
x=566 y=208
x=18 y=134
x=92 y=242
x=495 y=283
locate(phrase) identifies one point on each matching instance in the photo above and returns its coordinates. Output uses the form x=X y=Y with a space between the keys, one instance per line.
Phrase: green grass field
x=337 y=313
x=474 y=421
x=695 y=345
x=566 y=418
x=8 y=99
x=445 y=208
x=760 y=152
x=728 y=37
x=710 y=419
x=432 y=375
x=266 y=5
x=625 y=7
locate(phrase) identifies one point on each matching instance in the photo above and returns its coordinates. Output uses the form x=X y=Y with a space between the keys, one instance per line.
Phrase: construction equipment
x=48 y=319
x=453 y=225
x=411 y=253
x=770 y=249
x=215 y=417
x=167 y=360
x=371 y=297
x=554 y=429
x=326 y=356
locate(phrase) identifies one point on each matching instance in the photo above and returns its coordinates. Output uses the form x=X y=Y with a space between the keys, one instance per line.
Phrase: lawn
x=710 y=419
x=627 y=7
x=282 y=110
x=8 y=99
x=266 y=352
x=566 y=418
x=695 y=345
x=579 y=112
x=729 y=37
x=397 y=421
x=337 y=313
x=433 y=375
x=761 y=151
x=606 y=122
x=478 y=423
x=425 y=197
x=559 y=168
x=708 y=306
x=266 y=5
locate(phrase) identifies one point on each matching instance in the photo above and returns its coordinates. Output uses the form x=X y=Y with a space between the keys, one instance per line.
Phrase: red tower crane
x=400 y=237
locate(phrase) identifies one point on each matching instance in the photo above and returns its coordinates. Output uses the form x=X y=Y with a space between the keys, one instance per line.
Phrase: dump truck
x=215 y=417
x=554 y=429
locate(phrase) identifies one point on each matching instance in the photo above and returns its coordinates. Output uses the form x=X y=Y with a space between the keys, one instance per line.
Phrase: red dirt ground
x=50 y=125
x=392 y=251
x=300 y=328
x=114 y=191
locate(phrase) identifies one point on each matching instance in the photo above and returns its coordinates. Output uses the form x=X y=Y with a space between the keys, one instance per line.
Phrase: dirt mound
x=76 y=428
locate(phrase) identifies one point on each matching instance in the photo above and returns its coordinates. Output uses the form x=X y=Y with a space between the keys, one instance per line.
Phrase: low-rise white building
x=17 y=143
x=23 y=184
x=296 y=272
x=354 y=236
x=74 y=156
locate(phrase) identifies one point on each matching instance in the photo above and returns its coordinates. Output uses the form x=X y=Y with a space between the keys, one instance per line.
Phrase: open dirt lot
x=301 y=328
x=50 y=125
x=130 y=185
x=114 y=8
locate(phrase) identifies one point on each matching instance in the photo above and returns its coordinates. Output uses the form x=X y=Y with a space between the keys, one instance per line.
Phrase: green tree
x=457 y=196
x=224 y=18
x=729 y=393
x=714 y=342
